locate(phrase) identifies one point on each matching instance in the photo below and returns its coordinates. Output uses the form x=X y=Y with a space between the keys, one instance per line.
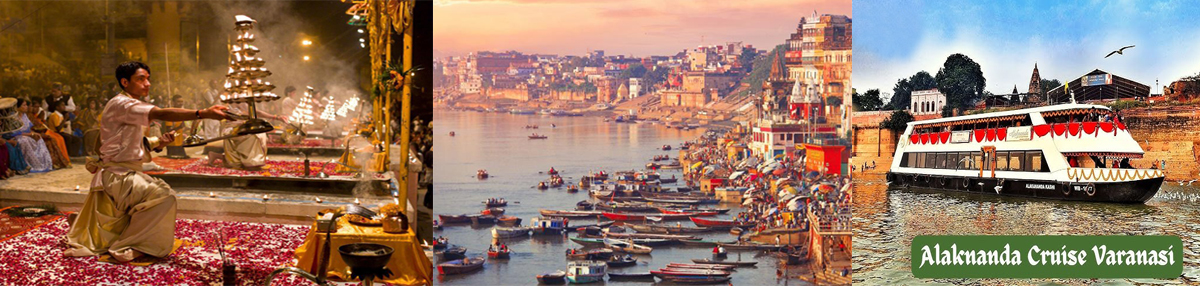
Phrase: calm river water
x=885 y=222
x=578 y=145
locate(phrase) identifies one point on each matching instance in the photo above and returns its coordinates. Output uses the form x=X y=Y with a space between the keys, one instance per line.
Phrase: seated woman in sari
x=29 y=144
x=14 y=158
x=55 y=143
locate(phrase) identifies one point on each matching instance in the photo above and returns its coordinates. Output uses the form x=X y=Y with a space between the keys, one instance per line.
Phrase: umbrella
x=794 y=205
x=777 y=172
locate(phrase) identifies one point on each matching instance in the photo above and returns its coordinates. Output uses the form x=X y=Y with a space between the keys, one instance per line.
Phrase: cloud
x=1064 y=44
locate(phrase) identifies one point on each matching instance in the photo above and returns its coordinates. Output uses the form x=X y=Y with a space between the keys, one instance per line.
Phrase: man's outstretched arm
x=182 y=114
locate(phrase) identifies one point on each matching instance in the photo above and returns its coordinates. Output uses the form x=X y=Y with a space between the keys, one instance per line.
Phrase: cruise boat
x=1077 y=152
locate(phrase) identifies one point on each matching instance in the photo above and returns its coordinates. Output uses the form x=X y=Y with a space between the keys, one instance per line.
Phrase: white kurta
x=126 y=210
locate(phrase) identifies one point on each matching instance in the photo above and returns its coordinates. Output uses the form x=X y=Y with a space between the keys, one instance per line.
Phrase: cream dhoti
x=125 y=211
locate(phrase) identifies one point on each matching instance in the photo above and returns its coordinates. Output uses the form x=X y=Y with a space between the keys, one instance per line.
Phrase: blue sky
x=895 y=39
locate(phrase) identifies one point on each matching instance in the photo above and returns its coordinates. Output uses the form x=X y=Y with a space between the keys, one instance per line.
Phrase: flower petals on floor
x=35 y=257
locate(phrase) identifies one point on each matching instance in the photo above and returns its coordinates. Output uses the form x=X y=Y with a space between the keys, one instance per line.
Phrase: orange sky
x=627 y=27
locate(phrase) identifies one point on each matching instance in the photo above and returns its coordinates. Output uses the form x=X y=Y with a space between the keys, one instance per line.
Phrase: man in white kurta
x=127 y=213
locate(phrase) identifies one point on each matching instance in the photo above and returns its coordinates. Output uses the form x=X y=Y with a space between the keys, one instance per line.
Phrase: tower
x=1035 y=86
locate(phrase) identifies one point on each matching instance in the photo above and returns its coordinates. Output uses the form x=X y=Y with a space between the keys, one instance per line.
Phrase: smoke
x=279 y=33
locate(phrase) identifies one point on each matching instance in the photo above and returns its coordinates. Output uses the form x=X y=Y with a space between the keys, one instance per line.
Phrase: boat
x=549 y=226
x=499 y=253
x=700 y=242
x=552 y=171
x=652 y=228
x=668 y=180
x=1064 y=152
x=536 y=136
x=697 y=280
x=627 y=246
x=510 y=232
x=440 y=243
x=483 y=219
x=542 y=186
x=508 y=221
x=553 y=278
x=457 y=252
x=734 y=263
x=460 y=266
x=736 y=231
x=666 y=147
x=652 y=165
x=622 y=261
x=584 y=206
x=437 y=224
x=531 y=127
x=690 y=272
x=572 y=189
x=594 y=254
x=495 y=202
x=700 y=266
x=623 y=207
x=492 y=211
x=693 y=210
x=688 y=212
x=482 y=174
x=451 y=133
x=674 y=201
x=642 y=217
x=579 y=272
x=455 y=218
x=588 y=241
x=752 y=246
x=631 y=276
x=568 y=214
x=643 y=236
x=719 y=223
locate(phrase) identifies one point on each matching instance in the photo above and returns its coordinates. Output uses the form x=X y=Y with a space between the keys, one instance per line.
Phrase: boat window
x=963 y=161
x=1014 y=160
x=977 y=161
x=920 y=160
x=929 y=159
x=939 y=160
x=1035 y=162
x=1001 y=161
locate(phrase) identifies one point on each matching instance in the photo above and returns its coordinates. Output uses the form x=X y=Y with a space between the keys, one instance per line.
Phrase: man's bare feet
x=214 y=158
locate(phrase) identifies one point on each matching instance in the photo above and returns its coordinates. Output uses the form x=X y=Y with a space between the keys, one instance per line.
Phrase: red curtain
x=1041 y=130
x=1001 y=134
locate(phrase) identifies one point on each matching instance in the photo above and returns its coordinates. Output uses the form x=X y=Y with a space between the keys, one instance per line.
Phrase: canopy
x=697 y=165
x=735 y=175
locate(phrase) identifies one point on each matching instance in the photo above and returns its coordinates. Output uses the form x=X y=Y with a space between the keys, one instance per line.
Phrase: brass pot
x=395 y=223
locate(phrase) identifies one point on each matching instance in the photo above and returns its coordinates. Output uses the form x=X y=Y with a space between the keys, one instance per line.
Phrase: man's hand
x=166 y=139
x=215 y=112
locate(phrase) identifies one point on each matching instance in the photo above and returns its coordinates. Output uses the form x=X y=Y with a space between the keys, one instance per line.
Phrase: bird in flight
x=1118 y=51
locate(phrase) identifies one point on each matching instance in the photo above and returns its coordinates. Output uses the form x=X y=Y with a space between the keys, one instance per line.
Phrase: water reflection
x=885 y=222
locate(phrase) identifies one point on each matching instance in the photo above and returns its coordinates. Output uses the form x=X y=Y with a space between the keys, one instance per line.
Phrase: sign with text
x=1023 y=133
x=960 y=136
x=1099 y=79
x=1045 y=256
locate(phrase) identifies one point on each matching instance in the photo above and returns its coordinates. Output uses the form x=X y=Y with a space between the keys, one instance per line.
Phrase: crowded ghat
x=786 y=201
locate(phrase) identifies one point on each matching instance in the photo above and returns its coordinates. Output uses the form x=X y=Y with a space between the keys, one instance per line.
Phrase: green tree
x=833 y=100
x=961 y=80
x=902 y=92
x=897 y=121
x=868 y=101
x=1047 y=85
x=633 y=71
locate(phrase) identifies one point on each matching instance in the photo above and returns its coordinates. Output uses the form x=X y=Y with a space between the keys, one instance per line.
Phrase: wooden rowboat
x=734 y=263
x=569 y=214
x=719 y=223
x=460 y=266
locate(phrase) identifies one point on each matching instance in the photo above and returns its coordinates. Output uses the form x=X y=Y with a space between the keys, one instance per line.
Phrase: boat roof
x=1039 y=109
